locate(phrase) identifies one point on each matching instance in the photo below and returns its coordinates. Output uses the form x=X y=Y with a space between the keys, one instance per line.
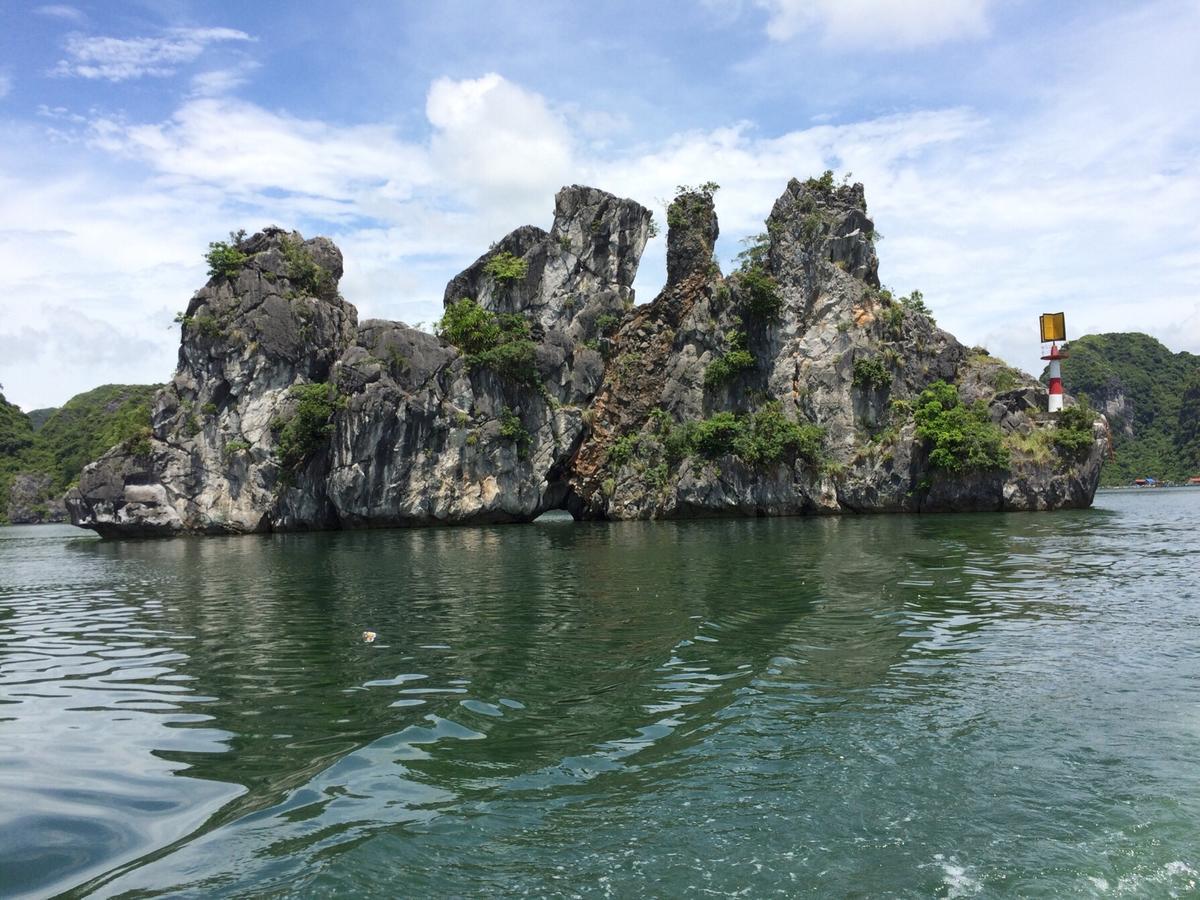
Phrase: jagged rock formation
x=787 y=387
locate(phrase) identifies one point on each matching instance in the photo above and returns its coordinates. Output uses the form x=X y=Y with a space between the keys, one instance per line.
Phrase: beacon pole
x=1054 y=329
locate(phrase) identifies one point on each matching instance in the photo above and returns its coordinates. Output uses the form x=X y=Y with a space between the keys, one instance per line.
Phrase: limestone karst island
x=793 y=385
x=720 y=449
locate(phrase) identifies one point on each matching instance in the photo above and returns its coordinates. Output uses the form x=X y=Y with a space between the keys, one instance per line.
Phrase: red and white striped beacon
x=1054 y=329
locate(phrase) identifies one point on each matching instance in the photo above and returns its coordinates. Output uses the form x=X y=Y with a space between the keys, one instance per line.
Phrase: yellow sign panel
x=1054 y=327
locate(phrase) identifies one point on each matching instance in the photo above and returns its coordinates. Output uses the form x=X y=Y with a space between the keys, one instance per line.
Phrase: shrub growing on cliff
x=961 y=438
x=1073 y=430
x=224 y=258
x=138 y=443
x=511 y=429
x=606 y=323
x=824 y=183
x=763 y=437
x=309 y=427
x=915 y=303
x=726 y=367
x=622 y=448
x=761 y=294
x=506 y=268
x=717 y=435
x=756 y=248
x=514 y=360
x=304 y=272
x=689 y=202
x=469 y=327
x=870 y=372
x=500 y=343
x=771 y=436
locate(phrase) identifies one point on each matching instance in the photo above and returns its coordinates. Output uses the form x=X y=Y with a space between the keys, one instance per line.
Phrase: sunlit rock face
x=601 y=407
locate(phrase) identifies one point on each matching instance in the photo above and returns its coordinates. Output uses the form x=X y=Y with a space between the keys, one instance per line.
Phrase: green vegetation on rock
x=225 y=259
x=606 y=323
x=760 y=438
x=506 y=267
x=915 y=303
x=960 y=438
x=1187 y=434
x=304 y=272
x=728 y=366
x=1073 y=430
x=761 y=293
x=308 y=429
x=870 y=372
x=824 y=183
x=512 y=429
x=1152 y=399
x=39 y=417
x=501 y=343
x=689 y=203
x=765 y=436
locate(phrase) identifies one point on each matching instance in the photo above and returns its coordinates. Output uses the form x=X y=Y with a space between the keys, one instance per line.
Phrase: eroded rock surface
x=610 y=409
x=30 y=501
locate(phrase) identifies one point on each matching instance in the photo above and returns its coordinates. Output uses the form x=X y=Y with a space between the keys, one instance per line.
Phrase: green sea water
x=992 y=705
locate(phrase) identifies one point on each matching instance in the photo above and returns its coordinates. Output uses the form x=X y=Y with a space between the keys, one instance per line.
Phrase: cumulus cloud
x=497 y=138
x=883 y=24
x=121 y=59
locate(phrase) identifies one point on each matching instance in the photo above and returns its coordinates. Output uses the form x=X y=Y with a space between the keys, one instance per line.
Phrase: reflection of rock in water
x=514 y=660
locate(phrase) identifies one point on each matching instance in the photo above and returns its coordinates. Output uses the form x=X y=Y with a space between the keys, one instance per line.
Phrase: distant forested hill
x=37 y=464
x=38 y=417
x=1151 y=397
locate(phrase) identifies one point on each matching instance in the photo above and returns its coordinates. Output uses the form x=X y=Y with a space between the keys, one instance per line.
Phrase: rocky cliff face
x=788 y=387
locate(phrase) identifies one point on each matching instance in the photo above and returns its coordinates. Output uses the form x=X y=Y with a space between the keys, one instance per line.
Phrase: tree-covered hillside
x=37 y=466
x=1151 y=397
x=38 y=417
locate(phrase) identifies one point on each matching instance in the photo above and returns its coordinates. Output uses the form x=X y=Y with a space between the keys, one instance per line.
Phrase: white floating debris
x=369 y=637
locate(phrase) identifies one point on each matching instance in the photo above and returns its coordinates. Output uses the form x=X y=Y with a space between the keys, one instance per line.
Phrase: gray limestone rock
x=285 y=413
x=30 y=502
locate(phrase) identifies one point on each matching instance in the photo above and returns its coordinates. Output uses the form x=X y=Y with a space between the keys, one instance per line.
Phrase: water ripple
x=894 y=705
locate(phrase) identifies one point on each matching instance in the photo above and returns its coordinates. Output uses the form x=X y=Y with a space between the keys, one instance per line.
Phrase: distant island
x=1151 y=398
x=43 y=452
x=794 y=385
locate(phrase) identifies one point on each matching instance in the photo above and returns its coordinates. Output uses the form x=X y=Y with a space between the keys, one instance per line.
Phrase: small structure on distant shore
x=1054 y=329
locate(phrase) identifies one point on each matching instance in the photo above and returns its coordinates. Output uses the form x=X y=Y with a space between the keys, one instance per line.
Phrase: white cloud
x=216 y=82
x=879 y=24
x=244 y=150
x=61 y=11
x=120 y=59
x=497 y=139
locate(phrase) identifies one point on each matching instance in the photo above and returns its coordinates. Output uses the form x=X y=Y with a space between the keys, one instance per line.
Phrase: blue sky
x=1018 y=157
